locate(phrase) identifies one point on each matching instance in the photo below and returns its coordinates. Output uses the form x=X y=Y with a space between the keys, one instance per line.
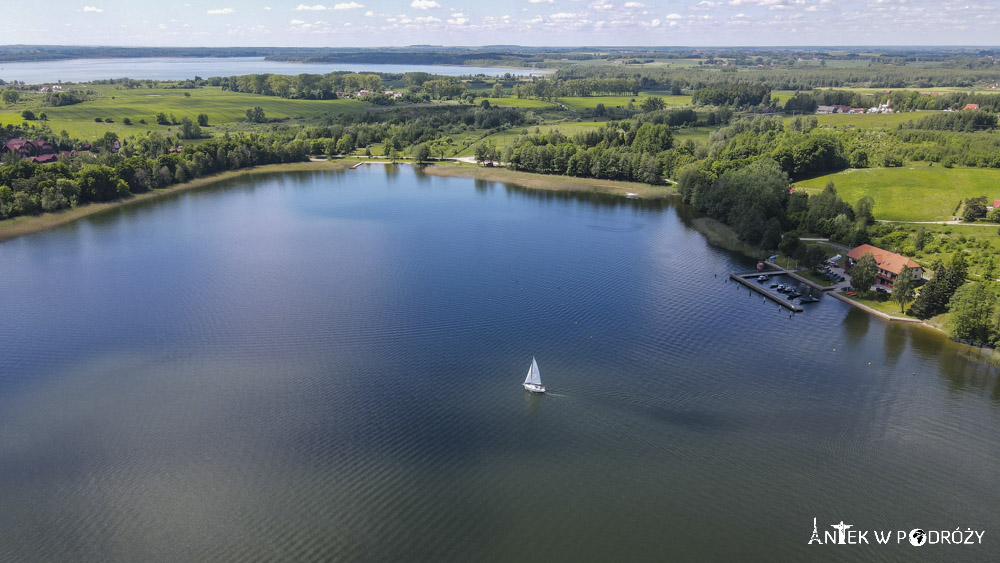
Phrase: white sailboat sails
x=533 y=382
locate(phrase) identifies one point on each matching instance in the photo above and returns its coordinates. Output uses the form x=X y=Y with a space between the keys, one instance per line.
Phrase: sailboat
x=533 y=382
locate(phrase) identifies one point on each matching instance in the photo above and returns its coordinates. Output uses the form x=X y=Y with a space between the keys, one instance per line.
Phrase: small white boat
x=533 y=382
x=631 y=195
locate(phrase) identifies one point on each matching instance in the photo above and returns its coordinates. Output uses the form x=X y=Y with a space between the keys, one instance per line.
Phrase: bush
x=28 y=115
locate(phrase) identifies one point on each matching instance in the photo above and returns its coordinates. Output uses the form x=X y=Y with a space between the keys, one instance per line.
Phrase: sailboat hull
x=534 y=388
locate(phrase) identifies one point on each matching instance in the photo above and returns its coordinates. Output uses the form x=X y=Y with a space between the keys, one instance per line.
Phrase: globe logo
x=918 y=537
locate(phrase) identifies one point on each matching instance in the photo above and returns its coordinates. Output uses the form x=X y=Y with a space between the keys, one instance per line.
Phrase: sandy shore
x=20 y=226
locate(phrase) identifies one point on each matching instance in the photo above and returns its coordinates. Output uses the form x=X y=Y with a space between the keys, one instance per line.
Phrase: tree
x=161 y=119
x=127 y=121
x=392 y=153
x=973 y=308
x=975 y=208
x=256 y=115
x=653 y=103
x=864 y=273
x=203 y=120
x=497 y=90
x=480 y=151
x=921 y=239
x=11 y=96
x=902 y=290
x=423 y=153
x=27 y=115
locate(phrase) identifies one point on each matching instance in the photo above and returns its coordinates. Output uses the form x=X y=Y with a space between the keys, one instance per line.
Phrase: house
x=971 y=107
x=890 y=264
x=26 y=148
x=996 y=204
x=844 y=109
x=826 y=109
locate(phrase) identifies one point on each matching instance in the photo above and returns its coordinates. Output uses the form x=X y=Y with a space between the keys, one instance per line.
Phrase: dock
x=749 y=280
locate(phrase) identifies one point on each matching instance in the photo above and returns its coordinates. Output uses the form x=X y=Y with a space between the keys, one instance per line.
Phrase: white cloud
x=654 y=23
x=427 y=19
x=673 y=16
x=458 y=19
x=564 y=16
x=315 y=8
x=602 y=6
x=369 y=13
x=267 y=8
x=634 y=5
x=93 y=9
x=296 y=22
x=221 y=12
x=424 y=4
x=540 y=1
x=348 y=6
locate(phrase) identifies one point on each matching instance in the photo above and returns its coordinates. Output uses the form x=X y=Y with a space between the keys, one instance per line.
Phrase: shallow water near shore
x=323 y=365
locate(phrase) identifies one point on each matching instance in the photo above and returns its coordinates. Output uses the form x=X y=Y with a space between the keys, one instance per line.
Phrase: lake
x=179 y=68
x=318 y=366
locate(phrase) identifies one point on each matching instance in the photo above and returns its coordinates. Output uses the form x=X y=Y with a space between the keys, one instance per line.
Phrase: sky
x=371 y=23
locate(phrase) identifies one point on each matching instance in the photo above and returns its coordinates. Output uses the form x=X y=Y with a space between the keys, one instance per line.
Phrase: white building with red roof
x=890 y=264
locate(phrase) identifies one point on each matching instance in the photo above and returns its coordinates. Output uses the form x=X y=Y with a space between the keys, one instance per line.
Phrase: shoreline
x=26 y=225
x=715 y=232
x=550 y=182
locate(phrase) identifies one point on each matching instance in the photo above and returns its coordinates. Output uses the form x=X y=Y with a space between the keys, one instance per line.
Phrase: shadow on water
x=896 y=336
x=856 y=325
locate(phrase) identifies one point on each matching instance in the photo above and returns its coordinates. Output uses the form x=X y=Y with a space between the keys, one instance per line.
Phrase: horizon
x=562 y=23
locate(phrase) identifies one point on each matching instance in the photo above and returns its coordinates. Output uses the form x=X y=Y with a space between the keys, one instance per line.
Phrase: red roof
x=971 y=106
x=996 y=203
x=889 y=261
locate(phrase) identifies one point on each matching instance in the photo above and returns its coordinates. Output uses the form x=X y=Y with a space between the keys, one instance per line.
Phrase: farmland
x=916 y=193
x=144 y=103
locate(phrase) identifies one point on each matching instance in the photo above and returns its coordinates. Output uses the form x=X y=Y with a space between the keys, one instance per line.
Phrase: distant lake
x=179 y=68
x=327 y=366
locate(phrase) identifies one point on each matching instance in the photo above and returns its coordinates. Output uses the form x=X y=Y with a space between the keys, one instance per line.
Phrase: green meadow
x=581 y=103
x=517 y=102
x=504 y=138
x=915 y=193
x=866 y=120
x=143 y=103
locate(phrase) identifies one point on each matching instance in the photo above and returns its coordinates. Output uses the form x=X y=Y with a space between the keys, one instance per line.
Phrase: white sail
x=533 y=376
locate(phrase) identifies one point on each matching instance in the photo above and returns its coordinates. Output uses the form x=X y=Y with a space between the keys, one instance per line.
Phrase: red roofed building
x=972 y=107
x=27 y=148
x=890 y=264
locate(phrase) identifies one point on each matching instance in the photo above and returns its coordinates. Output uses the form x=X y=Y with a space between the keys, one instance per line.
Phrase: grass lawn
x=816 y=277
x=915 y=193
x=145 y=103
x=888 y=307
x=581 y=103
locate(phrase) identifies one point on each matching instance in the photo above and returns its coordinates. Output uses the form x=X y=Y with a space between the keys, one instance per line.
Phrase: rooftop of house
x=888 y=261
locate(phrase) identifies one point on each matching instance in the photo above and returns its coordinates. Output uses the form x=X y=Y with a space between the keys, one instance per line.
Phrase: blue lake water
x=323 y=366
x=178 y=68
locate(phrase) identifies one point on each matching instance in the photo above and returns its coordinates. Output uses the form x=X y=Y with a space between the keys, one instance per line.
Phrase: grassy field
x=699 y=134
x=916 y=193
x=504 y=138
x=939 y=90
x=143 y=103
x=866 y=120
x=518 y=102
x=581 y=103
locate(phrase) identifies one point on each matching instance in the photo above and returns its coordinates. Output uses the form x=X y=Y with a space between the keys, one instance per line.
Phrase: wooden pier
x=754 y=286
